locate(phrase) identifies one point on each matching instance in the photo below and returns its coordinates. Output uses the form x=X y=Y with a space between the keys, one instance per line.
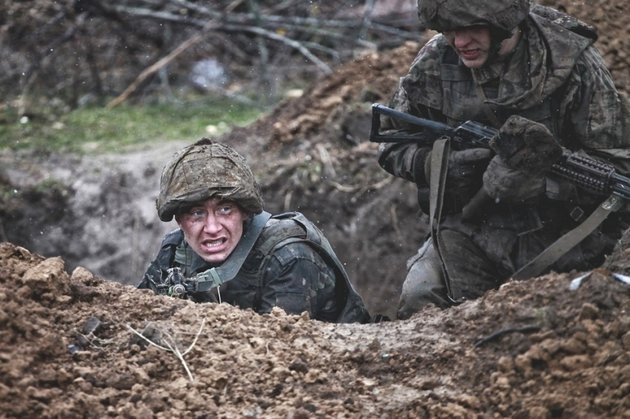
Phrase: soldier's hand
x=464 y=166
x=463 y=178
x=503 y=183
x=175 y=280
x=527 y=145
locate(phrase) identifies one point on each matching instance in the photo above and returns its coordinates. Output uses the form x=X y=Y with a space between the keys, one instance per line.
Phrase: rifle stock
x=586 y=172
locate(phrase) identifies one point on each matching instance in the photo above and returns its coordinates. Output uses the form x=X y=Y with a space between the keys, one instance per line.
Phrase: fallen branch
x=171 y=345
x=159 y=64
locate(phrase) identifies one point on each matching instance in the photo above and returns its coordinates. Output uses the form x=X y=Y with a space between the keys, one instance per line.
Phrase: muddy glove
x=526 y=145
x=505 y=184
x=525 y=150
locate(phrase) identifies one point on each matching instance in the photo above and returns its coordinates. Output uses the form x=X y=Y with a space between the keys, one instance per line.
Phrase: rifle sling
x=437 y=182
x=569 y=240
x=218 y=275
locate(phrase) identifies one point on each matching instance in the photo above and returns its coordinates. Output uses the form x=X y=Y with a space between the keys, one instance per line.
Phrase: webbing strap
x=439 y=169
x=218 y=275
x=569 y=240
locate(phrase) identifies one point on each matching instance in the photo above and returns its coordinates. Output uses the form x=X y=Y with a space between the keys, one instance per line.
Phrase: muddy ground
x=71 y=320
x=76 y=345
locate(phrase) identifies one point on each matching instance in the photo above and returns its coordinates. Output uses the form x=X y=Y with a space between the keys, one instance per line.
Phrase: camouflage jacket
x=554 y=76
x=291 y=266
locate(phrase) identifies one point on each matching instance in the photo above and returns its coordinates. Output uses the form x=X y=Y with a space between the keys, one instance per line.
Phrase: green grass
x=98 y=129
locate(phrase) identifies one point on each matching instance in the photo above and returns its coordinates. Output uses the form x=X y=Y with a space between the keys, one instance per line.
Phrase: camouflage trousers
x=470 y=274
x=482 y=258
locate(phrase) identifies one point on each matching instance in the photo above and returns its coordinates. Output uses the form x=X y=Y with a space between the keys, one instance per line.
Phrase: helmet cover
x=206 y=170
x=503 y=16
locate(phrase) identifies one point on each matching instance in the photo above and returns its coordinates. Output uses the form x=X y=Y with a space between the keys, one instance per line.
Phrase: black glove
x=505 y=184
x=526 y=145
x=465 y=168
x=463 y=177
x=525 y=150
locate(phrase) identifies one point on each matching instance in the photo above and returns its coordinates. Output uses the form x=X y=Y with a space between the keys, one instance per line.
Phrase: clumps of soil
x=75 y=345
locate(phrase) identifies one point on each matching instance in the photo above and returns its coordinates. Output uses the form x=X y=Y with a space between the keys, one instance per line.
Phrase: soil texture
x=78 y=340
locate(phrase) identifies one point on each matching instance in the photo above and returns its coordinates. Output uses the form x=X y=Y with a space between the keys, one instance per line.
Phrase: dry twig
x=171 y=345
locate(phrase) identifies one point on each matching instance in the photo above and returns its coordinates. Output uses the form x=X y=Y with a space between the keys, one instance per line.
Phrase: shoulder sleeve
x=419 y=93
x=600 y=115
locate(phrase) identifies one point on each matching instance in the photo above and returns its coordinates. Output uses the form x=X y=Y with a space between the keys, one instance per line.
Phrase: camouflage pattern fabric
x=463 y=177
x=285 y=269
x=553 y=77
x=444 y=15
x=204 y=170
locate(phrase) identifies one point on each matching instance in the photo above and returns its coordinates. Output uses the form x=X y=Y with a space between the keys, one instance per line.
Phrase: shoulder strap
x=569 y=240
x=567 y=21
x=439 y=168
x=351 y=304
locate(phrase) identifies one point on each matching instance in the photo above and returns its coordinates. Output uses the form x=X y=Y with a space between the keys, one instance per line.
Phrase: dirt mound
x=78 y=346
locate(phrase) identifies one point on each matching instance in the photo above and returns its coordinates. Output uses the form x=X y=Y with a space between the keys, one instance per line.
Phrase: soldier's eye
x=225 y=209
x=198 y=214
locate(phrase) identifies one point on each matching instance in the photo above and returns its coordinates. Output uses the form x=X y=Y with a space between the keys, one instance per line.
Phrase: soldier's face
x=213 y=228
x=472 y=44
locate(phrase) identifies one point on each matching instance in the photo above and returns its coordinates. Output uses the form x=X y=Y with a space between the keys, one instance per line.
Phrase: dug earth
x=76 y=345
x=77 y=339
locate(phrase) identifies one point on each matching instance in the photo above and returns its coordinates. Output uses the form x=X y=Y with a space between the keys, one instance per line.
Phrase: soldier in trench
x=228 y=249
x=534 y=74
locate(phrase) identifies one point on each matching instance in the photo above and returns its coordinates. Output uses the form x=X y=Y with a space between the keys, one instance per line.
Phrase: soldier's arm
x=599 y=115
x=297 y=279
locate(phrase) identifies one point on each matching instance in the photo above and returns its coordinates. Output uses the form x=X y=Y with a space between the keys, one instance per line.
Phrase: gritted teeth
x=217 y=242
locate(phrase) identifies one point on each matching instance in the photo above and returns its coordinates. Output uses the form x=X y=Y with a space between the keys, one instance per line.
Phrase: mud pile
x=75 y=345
x=310 y=154
x=77 y=342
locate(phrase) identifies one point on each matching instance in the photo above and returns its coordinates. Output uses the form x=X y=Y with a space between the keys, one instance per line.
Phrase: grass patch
x=97 y=129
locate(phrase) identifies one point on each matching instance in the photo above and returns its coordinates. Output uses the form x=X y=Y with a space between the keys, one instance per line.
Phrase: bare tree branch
x=159 y=64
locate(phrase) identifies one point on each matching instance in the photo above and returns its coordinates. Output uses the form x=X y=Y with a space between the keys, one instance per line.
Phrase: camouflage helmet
x=207 y=170
x=502 y=16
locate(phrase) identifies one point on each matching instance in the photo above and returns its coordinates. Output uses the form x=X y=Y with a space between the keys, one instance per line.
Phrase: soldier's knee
x=424 y=283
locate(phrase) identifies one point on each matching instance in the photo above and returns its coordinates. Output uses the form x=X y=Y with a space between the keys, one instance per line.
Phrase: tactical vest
x=244 y=290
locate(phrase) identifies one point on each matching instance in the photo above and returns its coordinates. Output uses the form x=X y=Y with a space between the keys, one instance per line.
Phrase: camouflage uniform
x=553 y=76
x=284 y=269
x=291 y=264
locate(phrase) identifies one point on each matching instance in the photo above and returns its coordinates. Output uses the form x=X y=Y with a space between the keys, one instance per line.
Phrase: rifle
x=173 y=284
x=586 y=172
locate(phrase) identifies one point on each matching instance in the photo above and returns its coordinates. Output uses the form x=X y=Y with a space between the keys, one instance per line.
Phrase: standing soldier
x=534 y=75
